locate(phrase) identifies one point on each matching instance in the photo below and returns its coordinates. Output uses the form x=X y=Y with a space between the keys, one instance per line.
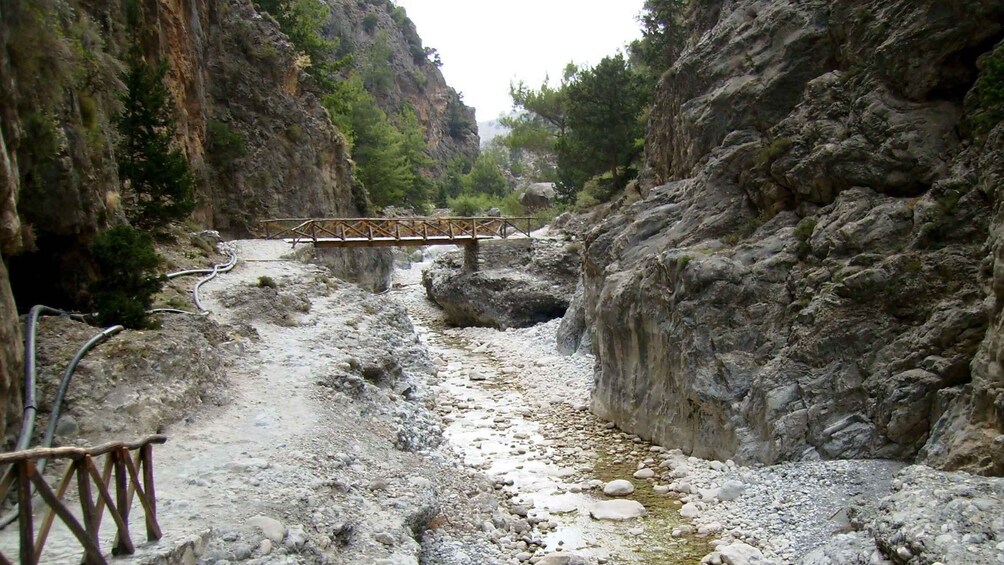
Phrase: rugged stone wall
x=450 y=126
x=811 y=278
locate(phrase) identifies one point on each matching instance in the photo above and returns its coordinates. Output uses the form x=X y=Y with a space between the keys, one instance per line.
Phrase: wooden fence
x=132 y=477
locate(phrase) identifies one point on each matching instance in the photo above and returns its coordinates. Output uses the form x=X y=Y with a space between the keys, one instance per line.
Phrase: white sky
x=486 y=44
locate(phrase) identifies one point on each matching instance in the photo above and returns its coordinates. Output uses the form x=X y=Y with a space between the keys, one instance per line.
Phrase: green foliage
x=663 y=34
x=158 y=175
x=295 y=133
x=470 y=204
x=458 y=123
x=370 y=22
x=127 y=263
x=986 y=105
x=389 y=161
x=452 y=183
x=302 y=21
x=773 y=151
x=540 y=120
x=604 y=105
x=477 y=204
x=377 y=72
x=41 y=150
x=682 y=263
x=267 y=282
x=803 y=231
x=589 y=126
x=599 y=189
x=486 y=177
x=88 y=107
x=224 y=144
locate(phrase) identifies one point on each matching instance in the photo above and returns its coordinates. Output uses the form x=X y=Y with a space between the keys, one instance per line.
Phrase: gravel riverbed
x=361 y=429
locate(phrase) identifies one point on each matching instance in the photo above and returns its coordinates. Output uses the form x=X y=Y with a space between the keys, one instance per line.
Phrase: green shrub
x=265 y=281
x=370 y=22
x=803 y=231
x=599 y=189
x=88 y=111
x=127 y=264
x=225 y=145
x=986 y=102
x=470 y=204
x=774 y=150
x=295 y=133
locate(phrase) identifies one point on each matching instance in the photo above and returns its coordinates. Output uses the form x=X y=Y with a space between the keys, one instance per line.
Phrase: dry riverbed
x=360 y=429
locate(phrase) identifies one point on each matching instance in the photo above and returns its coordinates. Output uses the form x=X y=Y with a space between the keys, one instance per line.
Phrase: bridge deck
x=377 y=232
x=386 y=241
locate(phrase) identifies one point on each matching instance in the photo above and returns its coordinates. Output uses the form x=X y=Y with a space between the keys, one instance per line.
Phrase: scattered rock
x=619 y=487
x=617 y=510
x=273 y=529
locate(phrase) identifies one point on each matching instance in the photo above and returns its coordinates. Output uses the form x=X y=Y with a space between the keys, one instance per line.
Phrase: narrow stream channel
x=518 y=412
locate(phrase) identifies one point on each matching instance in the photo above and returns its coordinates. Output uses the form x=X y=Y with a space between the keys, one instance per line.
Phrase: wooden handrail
x=386 y=231
x=127 y=484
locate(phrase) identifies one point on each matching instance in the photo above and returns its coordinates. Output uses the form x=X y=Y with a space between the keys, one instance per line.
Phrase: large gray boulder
x=538 y=195
x=520 y=283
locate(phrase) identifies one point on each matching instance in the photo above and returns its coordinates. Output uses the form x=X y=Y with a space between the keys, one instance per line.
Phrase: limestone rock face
x=810 y=278
x=520 y=283
x=381 y=35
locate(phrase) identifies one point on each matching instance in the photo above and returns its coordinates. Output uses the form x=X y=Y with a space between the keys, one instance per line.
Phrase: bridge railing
x=132 y=478
x=415 y=231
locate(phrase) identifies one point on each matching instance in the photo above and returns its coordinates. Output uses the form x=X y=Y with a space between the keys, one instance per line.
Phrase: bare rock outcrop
x=405 y=73
x=520 y=283
x=811 y=278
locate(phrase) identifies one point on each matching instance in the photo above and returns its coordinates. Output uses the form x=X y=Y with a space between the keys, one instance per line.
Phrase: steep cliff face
x=247 y=116
x=811 y=278
x=400 y=72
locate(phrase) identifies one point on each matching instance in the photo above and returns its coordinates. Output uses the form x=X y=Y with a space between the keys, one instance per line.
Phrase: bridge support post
x=471 y=257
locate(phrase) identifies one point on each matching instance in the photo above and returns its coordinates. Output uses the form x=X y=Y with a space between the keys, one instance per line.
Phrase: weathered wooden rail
x=128 y=484
x=371 y=232
x=376 y=232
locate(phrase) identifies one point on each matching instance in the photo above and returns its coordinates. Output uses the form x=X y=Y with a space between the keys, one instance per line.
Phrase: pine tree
x=127 y=263
x=159 y=176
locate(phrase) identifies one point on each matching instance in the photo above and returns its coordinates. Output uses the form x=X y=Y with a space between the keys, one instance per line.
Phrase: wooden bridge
x=376 y=232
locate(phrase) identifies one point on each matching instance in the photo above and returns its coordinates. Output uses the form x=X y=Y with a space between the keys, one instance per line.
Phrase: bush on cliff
x=127 y=264
x=986 y=102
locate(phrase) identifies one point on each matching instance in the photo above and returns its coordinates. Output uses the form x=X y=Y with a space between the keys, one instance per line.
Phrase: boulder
x=538 y=195
x=619 y=487
x=520 y=283
x=617 y=510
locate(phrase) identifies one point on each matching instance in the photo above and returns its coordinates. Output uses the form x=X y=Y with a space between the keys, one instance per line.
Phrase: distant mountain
x=490 y=130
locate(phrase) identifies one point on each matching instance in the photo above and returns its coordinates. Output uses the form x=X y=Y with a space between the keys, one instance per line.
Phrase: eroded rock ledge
x=520 y=283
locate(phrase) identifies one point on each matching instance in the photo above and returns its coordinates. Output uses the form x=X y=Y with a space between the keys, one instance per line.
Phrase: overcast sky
x=485 y=44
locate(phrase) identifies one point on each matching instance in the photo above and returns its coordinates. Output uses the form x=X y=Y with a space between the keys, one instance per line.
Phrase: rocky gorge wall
x=385 y=44
x=248 y=117
x=817 y=273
